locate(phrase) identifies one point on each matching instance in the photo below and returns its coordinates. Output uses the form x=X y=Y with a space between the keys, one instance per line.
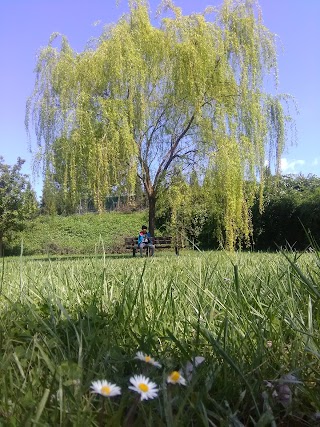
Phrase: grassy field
x=77 y=234
x=253 y=317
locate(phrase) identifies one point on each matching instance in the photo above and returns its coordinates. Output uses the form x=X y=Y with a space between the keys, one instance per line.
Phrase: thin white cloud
x=315 y=161
x=290 y=165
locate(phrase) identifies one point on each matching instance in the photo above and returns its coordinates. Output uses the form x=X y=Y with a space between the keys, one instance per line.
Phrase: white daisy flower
x=188 y=370
x=176 y=378
x=105 y=388
x=147 y=359
x=142 y=385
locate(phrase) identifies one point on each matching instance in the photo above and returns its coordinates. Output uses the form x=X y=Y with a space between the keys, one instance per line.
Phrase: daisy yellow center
x=105 y=390
x=148 y=359
x=175 y=376
x=143 y=387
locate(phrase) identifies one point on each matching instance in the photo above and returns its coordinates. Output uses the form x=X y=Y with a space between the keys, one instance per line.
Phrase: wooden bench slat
x=161 y=242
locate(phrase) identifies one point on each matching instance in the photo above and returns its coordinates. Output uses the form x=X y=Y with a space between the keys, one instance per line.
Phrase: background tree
x=144 y=99
x=17 y=200
x=291 y=212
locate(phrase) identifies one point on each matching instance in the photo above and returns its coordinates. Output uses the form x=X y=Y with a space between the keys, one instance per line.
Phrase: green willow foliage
x=142 y=99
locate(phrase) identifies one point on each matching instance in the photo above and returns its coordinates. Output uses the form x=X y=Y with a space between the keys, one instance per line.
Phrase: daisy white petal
x=176 y=378
x=105 y=388
x=188 y=370
x=148 y=359
x=142 y=385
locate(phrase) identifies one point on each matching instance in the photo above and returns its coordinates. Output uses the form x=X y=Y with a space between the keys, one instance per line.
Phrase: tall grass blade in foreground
x=77 y=321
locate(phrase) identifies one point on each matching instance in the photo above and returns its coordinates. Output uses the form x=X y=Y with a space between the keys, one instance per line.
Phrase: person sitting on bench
x=144 y=240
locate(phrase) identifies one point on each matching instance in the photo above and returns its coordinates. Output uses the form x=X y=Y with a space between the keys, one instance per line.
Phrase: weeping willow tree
x=142 y=99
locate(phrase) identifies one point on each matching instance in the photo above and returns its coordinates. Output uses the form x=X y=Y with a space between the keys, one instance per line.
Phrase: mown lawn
x=254 y=318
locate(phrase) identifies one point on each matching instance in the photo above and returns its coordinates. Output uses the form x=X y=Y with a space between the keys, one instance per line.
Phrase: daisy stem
x=128 y=421
x=109 y=407
x=102 y=413
x=167 y=403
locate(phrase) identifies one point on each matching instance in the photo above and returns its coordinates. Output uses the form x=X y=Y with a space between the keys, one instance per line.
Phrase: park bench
x=161 y=242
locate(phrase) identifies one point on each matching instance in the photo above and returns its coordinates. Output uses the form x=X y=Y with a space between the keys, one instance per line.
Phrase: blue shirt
x=144 y=238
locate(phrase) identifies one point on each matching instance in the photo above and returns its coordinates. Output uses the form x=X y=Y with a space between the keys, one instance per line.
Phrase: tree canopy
x=17 y=200
x=143 y=99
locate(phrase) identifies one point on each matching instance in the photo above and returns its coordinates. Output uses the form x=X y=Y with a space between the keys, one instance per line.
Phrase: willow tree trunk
x=152 y=213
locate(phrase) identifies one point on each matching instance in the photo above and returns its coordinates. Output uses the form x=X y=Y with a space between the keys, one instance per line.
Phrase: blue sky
x=26 y=25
